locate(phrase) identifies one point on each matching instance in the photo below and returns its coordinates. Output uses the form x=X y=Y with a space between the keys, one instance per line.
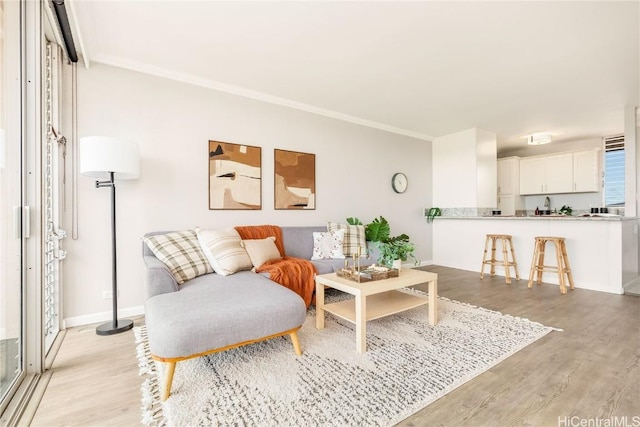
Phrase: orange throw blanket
x=296 y=274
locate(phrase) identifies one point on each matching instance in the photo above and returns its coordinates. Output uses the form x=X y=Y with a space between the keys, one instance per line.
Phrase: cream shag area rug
x=409 y=364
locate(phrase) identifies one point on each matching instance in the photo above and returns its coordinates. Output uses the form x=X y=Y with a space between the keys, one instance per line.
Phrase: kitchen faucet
x=547 y=203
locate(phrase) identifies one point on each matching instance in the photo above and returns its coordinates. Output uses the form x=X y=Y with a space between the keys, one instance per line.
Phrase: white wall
x=487 y=169
x=465 y=170
x=173 y=122
x=454 y=172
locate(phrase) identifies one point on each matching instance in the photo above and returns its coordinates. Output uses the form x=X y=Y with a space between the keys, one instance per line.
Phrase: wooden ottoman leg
x=166 y=391
x=296 y=342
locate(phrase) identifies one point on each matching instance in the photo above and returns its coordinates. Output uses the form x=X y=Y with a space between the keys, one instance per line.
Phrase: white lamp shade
x=100 y=155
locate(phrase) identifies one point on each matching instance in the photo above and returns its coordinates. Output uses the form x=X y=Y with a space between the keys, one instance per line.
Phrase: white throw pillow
x=261 y=250
x=224 y=251
x=354 y=238
x=328 y=245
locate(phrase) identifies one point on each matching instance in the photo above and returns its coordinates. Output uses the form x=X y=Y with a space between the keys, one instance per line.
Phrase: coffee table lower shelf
x=378 y=305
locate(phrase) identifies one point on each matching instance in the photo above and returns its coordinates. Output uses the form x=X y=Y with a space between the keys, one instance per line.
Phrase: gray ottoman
x=212 y=313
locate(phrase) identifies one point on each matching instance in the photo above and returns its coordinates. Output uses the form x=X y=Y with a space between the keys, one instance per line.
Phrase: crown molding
x=247 y=93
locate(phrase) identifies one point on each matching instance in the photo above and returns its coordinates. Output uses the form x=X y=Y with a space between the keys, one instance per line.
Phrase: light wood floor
x=589 y=371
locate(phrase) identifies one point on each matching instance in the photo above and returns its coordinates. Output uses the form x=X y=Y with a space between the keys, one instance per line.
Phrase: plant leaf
x=354 y=221
x=378 y=230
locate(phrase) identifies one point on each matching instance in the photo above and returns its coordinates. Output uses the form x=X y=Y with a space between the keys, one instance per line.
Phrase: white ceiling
x=423 y=69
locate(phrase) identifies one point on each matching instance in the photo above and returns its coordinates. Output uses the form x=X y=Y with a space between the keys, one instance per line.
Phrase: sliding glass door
x=12 y=367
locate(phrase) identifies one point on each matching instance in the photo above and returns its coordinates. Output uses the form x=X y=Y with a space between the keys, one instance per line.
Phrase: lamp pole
x=116 y=326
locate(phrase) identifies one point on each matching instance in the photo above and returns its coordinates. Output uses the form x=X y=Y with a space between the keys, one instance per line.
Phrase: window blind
x=614 y=170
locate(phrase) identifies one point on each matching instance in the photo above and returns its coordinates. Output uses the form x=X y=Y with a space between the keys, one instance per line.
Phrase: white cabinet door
x=503 y=167
x=558 y=173
x=586 y=171
x=532 y=176
x=509 y=175
x=546 y=174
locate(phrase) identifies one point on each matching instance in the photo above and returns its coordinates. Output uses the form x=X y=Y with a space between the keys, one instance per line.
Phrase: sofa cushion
x=261 y=250
x=298 y=240
x=224 y=251
x=213 y=311
x=180 y=251
x=354 y=238
x=328 y=245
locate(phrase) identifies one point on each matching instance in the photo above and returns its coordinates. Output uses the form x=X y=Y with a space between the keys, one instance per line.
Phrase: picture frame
x=294 y=180
x=235 y=176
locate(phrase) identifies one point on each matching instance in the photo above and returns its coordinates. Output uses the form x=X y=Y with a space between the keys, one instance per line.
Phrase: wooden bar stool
x=506 y=244
x=562 y=262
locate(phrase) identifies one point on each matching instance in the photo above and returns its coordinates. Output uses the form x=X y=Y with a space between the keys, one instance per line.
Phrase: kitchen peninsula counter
x=590 y=217
x=602 y=250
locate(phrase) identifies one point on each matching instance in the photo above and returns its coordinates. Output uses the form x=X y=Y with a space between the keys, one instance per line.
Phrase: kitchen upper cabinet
x=586 y=171
x=532 y=175
x=558 y=172
x=547 y=174
x=509 y=175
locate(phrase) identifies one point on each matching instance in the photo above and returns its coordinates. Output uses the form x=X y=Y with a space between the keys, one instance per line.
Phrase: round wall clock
x=399 y=182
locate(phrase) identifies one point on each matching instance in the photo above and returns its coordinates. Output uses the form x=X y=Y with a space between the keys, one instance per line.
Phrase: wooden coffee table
x=375 y=299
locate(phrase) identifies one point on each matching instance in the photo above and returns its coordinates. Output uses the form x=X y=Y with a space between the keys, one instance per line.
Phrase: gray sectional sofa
x=211 y=313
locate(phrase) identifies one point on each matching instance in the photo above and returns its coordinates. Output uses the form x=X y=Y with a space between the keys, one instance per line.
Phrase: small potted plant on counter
x=565 y=210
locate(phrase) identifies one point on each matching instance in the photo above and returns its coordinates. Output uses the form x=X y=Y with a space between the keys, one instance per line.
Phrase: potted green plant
x=396 y=249
x=377 y=230
x=432 y=213
x=566 y=210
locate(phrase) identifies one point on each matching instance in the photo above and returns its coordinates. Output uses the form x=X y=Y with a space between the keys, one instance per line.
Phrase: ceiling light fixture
x=539 y=138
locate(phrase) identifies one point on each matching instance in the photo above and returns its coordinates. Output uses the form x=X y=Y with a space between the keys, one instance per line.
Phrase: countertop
x=587 y=217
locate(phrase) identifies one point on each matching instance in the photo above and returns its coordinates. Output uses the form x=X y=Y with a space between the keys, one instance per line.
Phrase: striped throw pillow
x=224 y=251
x=354 y=238
x=180 y=251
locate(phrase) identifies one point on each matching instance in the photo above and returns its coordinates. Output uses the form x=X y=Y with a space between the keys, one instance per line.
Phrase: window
x=12 y=332
x=614 y=171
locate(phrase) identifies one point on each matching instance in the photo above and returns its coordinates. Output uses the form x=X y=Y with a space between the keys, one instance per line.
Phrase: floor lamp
x=109 y=159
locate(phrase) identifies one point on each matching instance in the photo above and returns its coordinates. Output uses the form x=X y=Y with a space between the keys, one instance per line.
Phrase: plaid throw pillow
x=180 y=251
x=353 y=238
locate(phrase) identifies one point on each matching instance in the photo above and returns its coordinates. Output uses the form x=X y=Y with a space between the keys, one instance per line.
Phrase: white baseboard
x=420 y=264
x=88 y=319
